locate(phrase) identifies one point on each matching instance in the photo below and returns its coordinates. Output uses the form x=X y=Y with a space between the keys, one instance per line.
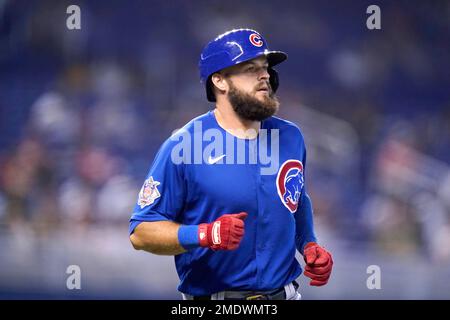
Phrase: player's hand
x=319 y=264
x=225 y=233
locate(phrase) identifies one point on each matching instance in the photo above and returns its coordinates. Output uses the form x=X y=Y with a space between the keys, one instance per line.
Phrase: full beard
x=248 y=107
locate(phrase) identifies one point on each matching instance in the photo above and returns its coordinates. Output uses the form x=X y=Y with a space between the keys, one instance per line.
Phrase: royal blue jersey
x=195 y=191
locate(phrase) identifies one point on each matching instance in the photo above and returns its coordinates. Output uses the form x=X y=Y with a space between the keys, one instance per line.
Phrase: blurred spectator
x=28 y=184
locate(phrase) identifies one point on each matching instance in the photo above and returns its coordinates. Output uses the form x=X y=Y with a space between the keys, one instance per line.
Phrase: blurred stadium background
x=83 y=112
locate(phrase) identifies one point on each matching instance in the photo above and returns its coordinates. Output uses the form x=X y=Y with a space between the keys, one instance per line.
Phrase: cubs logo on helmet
x=256 y=40
x=290 y=182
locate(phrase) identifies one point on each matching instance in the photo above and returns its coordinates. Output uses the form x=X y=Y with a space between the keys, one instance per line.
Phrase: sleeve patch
x=149 y=193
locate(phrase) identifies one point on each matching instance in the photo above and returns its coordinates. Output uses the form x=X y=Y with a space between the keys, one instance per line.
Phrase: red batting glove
x=223 y=234
x=319 y=263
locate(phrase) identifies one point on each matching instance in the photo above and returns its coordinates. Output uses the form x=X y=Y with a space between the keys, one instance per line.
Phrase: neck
x=228 y=119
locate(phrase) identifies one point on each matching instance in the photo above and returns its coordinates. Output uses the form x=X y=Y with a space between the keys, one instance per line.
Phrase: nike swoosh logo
x=212 y=160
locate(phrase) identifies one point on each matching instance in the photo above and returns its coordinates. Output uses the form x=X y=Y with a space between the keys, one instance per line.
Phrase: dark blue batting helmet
x=234 y=47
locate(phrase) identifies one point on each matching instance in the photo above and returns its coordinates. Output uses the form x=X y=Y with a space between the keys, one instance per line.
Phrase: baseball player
x=233 y=229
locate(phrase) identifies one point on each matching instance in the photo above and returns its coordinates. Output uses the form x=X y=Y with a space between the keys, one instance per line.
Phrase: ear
x=219 y=82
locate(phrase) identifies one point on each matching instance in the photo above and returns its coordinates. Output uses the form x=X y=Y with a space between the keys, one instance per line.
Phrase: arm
x=159 y=237
x=170 y=238
x=319 y=261
x=304 y=223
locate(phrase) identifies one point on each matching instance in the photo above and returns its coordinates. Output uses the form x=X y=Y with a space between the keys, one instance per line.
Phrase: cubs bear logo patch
x=290 y=182
x=149 y=193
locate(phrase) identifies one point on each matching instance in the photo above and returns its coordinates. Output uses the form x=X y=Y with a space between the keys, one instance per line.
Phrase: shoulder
x=186 y=133
x=285 y=126
x=198 y=123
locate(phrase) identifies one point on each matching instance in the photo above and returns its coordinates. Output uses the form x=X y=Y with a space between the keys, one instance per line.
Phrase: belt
x=278 y=294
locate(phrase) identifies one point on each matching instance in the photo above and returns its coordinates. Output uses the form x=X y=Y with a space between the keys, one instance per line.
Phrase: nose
x=264 y=74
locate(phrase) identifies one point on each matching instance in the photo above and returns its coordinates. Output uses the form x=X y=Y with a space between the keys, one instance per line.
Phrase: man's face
x=250 y=93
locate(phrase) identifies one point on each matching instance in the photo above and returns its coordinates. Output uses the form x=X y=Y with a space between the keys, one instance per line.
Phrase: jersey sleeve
x=162 y=195
x=304 y=220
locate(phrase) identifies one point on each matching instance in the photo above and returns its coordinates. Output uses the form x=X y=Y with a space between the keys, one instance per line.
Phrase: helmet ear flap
x=209 y=90
x=274 y=80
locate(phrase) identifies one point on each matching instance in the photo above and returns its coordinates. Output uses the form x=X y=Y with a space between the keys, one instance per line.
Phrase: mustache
x=264 y=85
